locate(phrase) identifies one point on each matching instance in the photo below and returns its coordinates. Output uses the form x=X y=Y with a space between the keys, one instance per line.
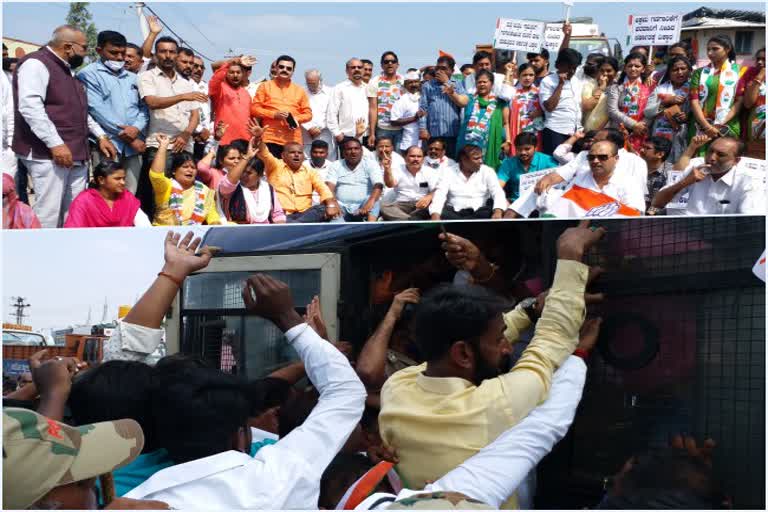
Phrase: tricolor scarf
x=757 y=116
x=367 y=484
x=387 y=94
x=665 y=91
x=632 y=102
x=176 y=203
x=582 y=202
x=726 y=90
x=523 y=103
x=484 y=128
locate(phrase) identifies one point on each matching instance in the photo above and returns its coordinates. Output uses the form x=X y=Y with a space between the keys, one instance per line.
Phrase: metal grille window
x=743 y=42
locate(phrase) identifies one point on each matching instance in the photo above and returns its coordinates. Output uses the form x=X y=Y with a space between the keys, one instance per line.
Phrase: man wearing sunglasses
x=383 y=92
x=51 y=123
x=281 y=106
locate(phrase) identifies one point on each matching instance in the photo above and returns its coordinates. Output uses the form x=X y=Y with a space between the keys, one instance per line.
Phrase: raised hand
x=574 y=243
x=408 y=296
x=220 y=130
x=589 y=333
x=314 y=317
x=248 y=60
x=180 y=255
x=270 y=298
x=163 y=140
x=460 y=252
x=155 y=26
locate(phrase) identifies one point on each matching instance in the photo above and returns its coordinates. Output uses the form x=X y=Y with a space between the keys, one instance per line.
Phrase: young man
x=231 y=102
x=560 y=96
x=655 y=152
x=383 y=92
x=442 y=98
x=319 y=162
x=526 y=160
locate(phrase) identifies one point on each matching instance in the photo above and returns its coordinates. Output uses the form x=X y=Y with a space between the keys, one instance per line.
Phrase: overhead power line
x=181 y=39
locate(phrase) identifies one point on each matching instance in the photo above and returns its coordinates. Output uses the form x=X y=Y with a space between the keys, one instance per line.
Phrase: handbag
x=670 y=113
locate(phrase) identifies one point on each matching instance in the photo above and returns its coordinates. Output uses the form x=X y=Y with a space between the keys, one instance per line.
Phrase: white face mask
x=114 y=65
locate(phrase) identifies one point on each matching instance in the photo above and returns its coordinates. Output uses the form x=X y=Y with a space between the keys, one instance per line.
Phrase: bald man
x=52 y=124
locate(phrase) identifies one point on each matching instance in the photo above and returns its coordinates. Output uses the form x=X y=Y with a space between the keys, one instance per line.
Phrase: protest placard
x=553 y=38
x=679 y=202
x=755 y=168
x=529 y=179
x=654 y=29
x=518 y=35
x=759 y=268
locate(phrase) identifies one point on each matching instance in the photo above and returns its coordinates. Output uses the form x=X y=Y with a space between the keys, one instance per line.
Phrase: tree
x=80 y=17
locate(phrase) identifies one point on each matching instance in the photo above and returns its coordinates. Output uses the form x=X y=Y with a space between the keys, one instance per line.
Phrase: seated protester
x=678 y=477
x=526 y=160
x=116 y=390
x=106 y=203
x=413 y=186
x=439 y=414
x=599 y=193
x=575 y=144
x=631 y=167
x=227 y=157
x=385 y=152
x=717 y=184
x=490 y=477
x=203 y=416
x=436 y=158
x=50 y=465
x=180 y=200
x=246 y=196
x=16 y=214
x=655 y=152
x=295 y=183
x=470 y=190
x=318 y=161
x=357 y=183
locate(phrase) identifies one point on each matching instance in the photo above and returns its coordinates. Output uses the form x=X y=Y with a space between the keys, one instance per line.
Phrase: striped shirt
x=443 y=116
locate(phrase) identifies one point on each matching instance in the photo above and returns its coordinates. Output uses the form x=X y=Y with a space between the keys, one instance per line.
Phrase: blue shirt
x=511 y=169
x=354 y=187
x=443 y=116
x=137 y=472
x=113 y=100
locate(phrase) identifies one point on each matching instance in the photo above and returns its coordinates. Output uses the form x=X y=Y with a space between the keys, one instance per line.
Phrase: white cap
x=412 y=75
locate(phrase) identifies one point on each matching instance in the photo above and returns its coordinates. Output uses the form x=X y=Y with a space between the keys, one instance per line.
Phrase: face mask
x=75 y=61
x=317 y=162
x=114 y=65
x=7 y=61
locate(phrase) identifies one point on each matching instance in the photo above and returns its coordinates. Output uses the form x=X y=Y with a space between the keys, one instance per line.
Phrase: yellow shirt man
x=435 y=424
x=294 y=188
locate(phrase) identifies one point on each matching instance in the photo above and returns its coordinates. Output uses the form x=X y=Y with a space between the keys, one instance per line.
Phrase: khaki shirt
x=172 y=120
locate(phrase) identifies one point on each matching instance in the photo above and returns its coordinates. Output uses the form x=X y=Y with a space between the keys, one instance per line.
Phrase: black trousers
x=550 y=140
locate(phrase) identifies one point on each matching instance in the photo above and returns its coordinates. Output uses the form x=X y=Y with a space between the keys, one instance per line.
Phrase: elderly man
x=51 y=123
x=281 y=106
x=469 y=190
x=715 y=185
x=357 y=183
x=348 y=108
x=599 y=193
x=383 y=92
x=405 y=112
x=113 y=101
x=442 y=98
x=367 y=70
x=414 y=186
x=317 y=128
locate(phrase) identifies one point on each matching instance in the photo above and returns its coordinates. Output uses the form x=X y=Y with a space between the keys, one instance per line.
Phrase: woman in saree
x=714 y=104
x=485 y=122
x=525 y=113
x=752 y=91
x=106 y=203
x=669 y=108
x=627 y=99
x=16 y=214
x=180 y=199
x=594 y=100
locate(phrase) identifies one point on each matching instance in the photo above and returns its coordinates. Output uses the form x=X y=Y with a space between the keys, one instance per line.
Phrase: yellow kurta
x=435 y=424
x=164 y=216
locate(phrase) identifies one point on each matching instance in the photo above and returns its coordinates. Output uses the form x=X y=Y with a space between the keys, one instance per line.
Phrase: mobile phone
x=442 y=228
x=724 y=131
x=292 y=122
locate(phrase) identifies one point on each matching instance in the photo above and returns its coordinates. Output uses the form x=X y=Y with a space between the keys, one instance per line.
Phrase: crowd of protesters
x=138 y=138
x=436 y=410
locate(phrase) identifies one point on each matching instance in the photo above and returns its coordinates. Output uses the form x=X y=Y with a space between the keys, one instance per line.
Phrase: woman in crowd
x=246 y=197
x=228 y=156
x=180 y=199
x=714 y=104
x=752 y=92
x=594 y=100
x=106 y=203
x=485 y=121
x=627 y=99
x=525 y=113
x=16 y=214
x=668 y=107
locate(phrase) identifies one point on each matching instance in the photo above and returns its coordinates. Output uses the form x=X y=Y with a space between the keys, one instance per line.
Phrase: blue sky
x=325 y=35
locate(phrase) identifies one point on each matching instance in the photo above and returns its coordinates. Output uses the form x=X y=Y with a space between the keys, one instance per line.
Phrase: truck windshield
x=22 y=338
x=587 y=46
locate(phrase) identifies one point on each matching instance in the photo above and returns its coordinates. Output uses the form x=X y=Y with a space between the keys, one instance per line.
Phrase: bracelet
x=580 y=352
x=169 y=276
x=493 y=273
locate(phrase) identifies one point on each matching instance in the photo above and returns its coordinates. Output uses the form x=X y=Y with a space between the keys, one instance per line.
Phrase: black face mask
x=76 y=61
x=8 y=62
x=317 y=162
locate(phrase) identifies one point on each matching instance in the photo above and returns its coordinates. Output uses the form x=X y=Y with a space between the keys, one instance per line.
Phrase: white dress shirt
x=410 y=188
x=736 y=192
x=500 y=89
x=404 y=108
x=493 y=474
x=33 y=78
x=441 y=165
x=461 y=192
x=630 y=167
x=285 y=475
x=349 y=102
x=318 y=102
x=322 y=171
x=6 y=126
x=566 y=117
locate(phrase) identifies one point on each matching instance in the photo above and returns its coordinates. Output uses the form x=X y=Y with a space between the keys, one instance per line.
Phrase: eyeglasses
x=389 y=61
x=602 y=158
x=287 y=68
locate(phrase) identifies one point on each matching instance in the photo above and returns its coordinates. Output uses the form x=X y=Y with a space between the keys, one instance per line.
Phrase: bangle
x=493 y=273
x=169 y=276
x=580 y=352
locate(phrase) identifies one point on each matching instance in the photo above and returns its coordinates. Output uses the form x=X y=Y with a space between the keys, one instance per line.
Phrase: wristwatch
x=652 y=210
x=528 y=305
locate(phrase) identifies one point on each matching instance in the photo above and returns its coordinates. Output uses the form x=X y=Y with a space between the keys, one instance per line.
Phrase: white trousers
x=55 y=188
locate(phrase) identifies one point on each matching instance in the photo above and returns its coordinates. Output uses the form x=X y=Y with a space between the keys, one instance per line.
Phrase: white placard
x=518 y=35
x=654 y=29
x=529 y=179
x=755 y=168
x=759 y=268
x=553 y=38
x=679 y=202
